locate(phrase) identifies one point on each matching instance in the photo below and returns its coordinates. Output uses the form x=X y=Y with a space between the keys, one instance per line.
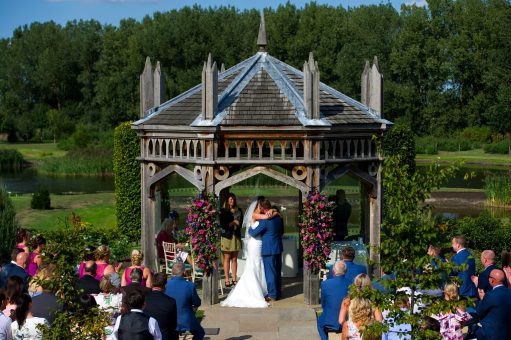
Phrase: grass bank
x=470 y=157
x=34 y=152
x=97 y=209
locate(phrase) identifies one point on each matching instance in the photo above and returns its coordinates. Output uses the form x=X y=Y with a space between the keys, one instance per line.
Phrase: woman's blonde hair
x=361 y=281
x=137 y=257
x=451 y=292
x=361 y=310
x=45 y=273
x=102 y=252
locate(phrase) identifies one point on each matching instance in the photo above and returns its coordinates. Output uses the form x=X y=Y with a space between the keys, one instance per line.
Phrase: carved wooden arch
x=183 y=172
x=341 y=171
x=261 y=170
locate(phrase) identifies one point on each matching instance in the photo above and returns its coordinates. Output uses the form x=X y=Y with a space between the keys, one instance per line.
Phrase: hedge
x=400 y=140
x=127 y=180
x=8 y=225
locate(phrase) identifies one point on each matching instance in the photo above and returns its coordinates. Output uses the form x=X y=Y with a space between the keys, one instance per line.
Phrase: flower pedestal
x=210 y=288
x=311 y=284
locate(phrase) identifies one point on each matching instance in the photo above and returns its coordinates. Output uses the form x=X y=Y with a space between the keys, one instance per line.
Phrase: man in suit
x=463 y=257
x=332 y=293
x=162 y=307
x=135 y=324
x=352 y=269
x=17 y=268
x=482 y=281
x=271 y=232
x=136 y=276
x=87 y=282
x=341 y=214
x=493 y=311
x=187 y=300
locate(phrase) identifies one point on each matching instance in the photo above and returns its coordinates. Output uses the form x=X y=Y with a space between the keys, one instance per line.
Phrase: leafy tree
x=8 y=225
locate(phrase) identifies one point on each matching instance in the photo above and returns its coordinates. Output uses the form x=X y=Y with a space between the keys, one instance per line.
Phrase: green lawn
x=97 y=209
x=35 y=151
x=471 y=157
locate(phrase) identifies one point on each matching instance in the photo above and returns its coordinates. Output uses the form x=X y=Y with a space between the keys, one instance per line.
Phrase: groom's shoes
x=269 y=299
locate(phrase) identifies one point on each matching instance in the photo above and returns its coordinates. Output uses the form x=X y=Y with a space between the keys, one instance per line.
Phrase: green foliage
x=501 y=147
x=400 y=140
x=477 y=134
x=127 y=180
x=79 y=162
x=8 y=225
x=498 y=189
x=432 y=144
x=11 y=160
x=482 y=232
x=41 y=199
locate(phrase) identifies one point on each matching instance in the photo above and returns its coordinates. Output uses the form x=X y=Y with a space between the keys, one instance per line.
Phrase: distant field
x=471 y=157
x=97 y=209
x=35 y=151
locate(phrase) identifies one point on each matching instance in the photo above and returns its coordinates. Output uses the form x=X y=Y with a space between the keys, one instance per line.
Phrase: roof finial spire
x=261 y=38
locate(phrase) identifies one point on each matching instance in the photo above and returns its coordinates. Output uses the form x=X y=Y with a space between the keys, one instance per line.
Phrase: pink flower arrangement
x=316 y=232
x=203 y=228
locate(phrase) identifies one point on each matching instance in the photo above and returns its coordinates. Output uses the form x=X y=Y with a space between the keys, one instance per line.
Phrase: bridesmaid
x=230 y=242
x=35 y=260
x=88 y=255
x=136 y=262
x=22 y=239
x=102 y=255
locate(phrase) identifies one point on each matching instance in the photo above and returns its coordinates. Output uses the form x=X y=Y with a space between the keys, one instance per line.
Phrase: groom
x=271 y=235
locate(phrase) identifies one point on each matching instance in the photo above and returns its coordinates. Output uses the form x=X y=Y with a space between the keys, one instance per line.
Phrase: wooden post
x=149 y=217
x=310 y=286
x=210 y=288
x=375 y=225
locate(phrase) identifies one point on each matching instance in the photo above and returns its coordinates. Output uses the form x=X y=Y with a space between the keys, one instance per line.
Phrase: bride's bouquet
x=316 y=230
x=203 y=228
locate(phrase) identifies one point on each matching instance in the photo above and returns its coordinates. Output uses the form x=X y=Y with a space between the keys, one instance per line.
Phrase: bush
x=8 y=225
x=41 y=199
x=127 y=180
x=400 y=140
x=426 y=145
x=431 y=145
x=477 y=134
x=11 y=160
x=79 y=162
x=501 y=147
x=498 y=189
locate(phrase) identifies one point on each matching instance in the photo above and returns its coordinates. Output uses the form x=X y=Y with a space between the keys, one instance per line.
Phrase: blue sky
x=14 y=13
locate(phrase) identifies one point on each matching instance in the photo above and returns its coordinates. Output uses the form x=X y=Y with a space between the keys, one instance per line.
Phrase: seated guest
x=17 y=268
x=25 y=326
x=451 y=322
x=187 y=301
x=136 y=280
x=35 y=258
x=360 y=283
x=361 y=316
x=110 y=299
x=169 y=233
x=135 y=324
x=483 y=280
x=22 y=239
x=13 y=292
x=463 y=256
x=5 y=321
x=332 y=293
x=45 y=303
x=102 y=256
x=398 y=329
x=162 y=307
x=44 y=273
x=430 y=325
x=506 y=265
x=493 y=311
x=380 y=284
x=136 y=262
x=88 y=255
x=352 y=269
x=88 y=284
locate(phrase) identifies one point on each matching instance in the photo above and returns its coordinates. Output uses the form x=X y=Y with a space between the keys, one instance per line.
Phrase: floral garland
x=316 y=230
x=203 y=228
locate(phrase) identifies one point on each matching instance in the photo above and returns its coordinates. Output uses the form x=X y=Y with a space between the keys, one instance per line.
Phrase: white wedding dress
x=251 y=289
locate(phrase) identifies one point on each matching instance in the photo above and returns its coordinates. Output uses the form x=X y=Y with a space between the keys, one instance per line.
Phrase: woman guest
x=25 y=326
x=506 y=265
x=102 y=255
x=166 y=234
x=88 y=255
x=44 y=273
x=360 y=318
x=13 y=291
x=136 y=262
x=22 y=239
x=170 y=228
x=361 y=281
x=35 y=260
x=450 y=322
x=230 y=244
x=110 y=299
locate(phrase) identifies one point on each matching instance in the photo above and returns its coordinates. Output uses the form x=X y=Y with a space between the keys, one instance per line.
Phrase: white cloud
x=418 y=3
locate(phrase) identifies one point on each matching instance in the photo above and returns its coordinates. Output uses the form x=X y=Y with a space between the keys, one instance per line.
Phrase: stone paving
x=288 y=318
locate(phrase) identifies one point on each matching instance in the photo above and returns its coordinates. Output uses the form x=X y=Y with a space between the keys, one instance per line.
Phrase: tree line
x=446 y=66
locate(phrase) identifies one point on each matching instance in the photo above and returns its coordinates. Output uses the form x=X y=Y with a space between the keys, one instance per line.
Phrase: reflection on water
x=476 y=181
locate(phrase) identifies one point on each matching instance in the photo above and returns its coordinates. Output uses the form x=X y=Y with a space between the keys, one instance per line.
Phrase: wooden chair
x=170 y=254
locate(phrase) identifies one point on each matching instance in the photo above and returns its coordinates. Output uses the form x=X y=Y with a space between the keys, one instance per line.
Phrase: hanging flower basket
x=203 y=227
x=316 y=232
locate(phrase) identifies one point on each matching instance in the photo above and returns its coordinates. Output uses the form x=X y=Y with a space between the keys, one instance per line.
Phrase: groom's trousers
x=272 y=271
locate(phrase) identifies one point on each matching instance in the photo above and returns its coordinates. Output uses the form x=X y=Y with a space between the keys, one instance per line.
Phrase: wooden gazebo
x=257 y=117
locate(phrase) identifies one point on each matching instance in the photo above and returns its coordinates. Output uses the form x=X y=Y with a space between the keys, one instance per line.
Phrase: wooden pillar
x=148 y=216
x=375 y=225
x=310 y=287
x=365 y=198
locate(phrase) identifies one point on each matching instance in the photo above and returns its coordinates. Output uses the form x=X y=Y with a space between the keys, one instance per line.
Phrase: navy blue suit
x=467 y=288
x=271 y=232
x=186 y=297
x=332 y=293
x=494 y=314
x=12 y=269
x=484 y=278
x=352 y=270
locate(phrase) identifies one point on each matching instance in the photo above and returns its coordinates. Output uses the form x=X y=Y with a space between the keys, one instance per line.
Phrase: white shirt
x=460 y=250
x=154 y=329
x=5 y=327
x=29 y=329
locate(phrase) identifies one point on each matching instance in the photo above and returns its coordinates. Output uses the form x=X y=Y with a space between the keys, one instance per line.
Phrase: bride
x=250 y=290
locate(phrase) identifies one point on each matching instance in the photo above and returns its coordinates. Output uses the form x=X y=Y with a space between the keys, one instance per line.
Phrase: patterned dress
x=450 y=324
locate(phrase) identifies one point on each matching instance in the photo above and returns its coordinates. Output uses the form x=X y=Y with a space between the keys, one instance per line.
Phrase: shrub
x=477 y=134
x=11 y=160
x=426 y=145
x=127 y=180
x=498 y=189
x=431 y=144
x=79 y=162
x=41 y=199
x=8 y=225
x=400 y=140
x=501 y=147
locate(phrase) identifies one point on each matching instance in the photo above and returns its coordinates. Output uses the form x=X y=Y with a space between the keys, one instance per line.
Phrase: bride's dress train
x=251 y=289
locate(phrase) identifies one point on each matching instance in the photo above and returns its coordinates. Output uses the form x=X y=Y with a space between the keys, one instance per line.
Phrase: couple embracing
x=261 y=280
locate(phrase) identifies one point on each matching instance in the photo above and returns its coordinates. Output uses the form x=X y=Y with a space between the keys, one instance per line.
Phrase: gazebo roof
x=261 y=91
